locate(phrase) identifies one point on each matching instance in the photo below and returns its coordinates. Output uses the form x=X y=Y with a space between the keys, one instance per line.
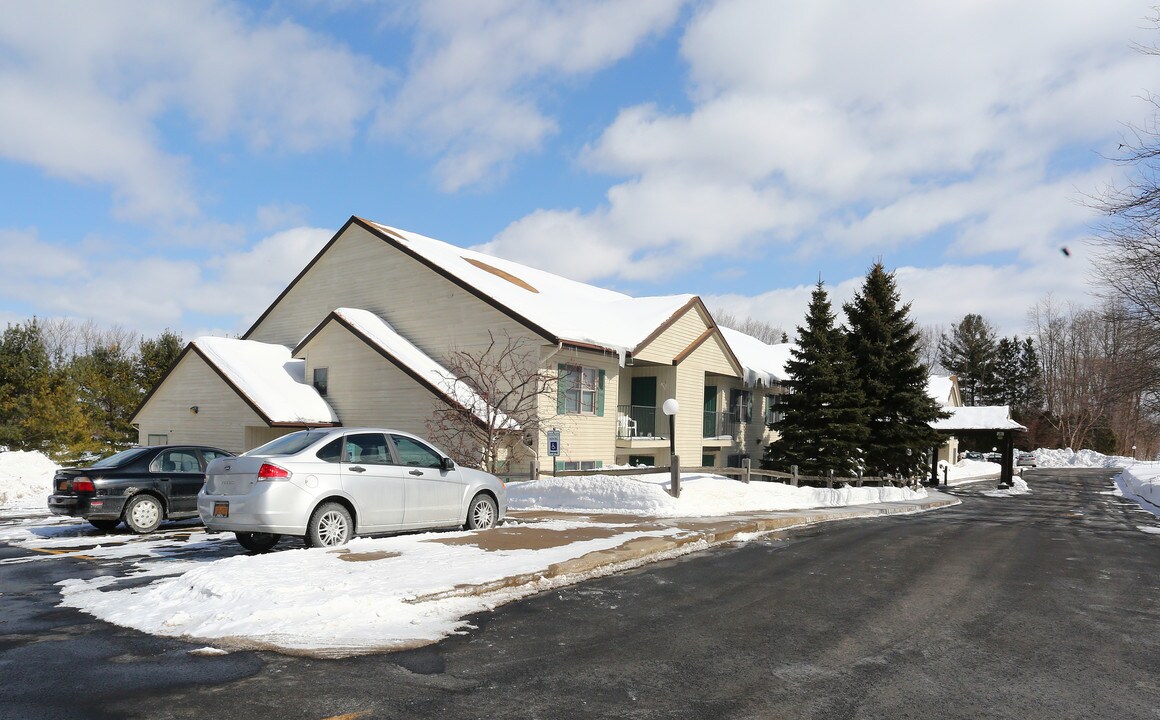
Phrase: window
x=176 y=461
x=774 y=412
x=157 y=439
x=321 y=376
x=414 y=453
x=367 y=449
x=211 y=455
x=581 y=390
x=645 y=460
x=579 y=464
x=331 y=452
x=741 y=405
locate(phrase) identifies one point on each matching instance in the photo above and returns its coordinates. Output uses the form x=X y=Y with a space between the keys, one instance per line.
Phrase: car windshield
x=289 y=444
x=122 y=458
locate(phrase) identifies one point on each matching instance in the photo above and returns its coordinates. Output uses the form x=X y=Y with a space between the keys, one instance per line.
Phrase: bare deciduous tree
x=766 y=332
x=499 y=390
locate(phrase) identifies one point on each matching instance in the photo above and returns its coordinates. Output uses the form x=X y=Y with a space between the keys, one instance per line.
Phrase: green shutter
x=599 y=464
x=559 y=465
x=600 y=396
x=562 y=387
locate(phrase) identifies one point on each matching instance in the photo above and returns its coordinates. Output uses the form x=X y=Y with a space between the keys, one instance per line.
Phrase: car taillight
x=272 y=472
x=83 y=484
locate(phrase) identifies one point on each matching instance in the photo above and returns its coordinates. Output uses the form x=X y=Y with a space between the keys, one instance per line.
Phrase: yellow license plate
x=221 y=509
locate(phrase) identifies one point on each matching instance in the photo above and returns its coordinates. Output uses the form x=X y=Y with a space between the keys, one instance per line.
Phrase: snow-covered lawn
x=392 y=592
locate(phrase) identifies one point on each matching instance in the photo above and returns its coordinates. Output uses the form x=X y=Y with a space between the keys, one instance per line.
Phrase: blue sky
x=174 y=165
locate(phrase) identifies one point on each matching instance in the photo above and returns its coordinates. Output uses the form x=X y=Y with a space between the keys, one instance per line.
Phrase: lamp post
x=670 y=408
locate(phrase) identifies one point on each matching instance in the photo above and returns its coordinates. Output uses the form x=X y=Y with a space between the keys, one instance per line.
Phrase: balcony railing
x=636 y=421
x=720 y=424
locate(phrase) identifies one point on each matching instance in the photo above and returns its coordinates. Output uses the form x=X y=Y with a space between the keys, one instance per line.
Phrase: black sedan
x=141 y=486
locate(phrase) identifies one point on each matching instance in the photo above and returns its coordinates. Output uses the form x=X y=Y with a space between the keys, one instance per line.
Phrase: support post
x=675 y=476
x=745 y=467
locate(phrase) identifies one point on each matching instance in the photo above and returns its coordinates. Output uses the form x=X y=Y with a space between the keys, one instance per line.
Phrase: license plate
x=221 y=509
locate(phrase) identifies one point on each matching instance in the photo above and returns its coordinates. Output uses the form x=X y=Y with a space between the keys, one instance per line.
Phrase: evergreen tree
x=109 y=394
x=1031 y=396
x=38 y=402
x=968 y=352
x=154 y=358
x=1006 y=385
x=824 y=422
x=884 y=343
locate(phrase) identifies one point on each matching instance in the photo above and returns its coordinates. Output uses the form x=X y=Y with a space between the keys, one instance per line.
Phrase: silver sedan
x=328 y=485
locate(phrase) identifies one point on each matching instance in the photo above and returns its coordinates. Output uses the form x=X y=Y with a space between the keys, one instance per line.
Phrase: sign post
x=553 y=447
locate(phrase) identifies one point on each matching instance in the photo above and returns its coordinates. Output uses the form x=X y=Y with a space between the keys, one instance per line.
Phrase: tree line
x=68 y=389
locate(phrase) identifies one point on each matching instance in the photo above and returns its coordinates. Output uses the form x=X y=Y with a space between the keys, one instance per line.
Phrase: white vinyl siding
x=362 y=271
x=221 y=418
x=675 y=339
x=364 y=388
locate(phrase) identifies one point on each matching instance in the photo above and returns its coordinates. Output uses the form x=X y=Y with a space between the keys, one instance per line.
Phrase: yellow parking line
x=350 y=716
x=62 y=552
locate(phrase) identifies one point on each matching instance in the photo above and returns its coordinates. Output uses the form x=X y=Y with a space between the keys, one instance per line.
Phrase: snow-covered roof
x=760 y=360
x=569 y=310
x=376 y=330
x=269 y=378
x=988 y=417
x=940 y=387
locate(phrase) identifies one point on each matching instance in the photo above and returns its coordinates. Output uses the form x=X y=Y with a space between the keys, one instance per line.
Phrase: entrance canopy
x=991 y=417
x=991 y=420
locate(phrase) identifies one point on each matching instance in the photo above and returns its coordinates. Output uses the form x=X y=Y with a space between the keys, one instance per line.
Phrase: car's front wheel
x=144 y=514
x=330 y=525
x=257 y=542
x=482 y=513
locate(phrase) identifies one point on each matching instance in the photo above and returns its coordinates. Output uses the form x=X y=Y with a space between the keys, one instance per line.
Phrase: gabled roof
x=990 y=417
x=266 y=376
x=425 y=370
x=943 y=388
x=760 y=361
x=560 y=309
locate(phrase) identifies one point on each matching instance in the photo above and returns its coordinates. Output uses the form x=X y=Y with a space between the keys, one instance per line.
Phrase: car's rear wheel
x=330 y=525
x=482 y=513
x=258 y=542
x=143 y=514
x=105 y=525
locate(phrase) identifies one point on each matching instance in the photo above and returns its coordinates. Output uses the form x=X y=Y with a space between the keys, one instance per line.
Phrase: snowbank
x=1084 y=458
x=25 y=479
x=701 y=495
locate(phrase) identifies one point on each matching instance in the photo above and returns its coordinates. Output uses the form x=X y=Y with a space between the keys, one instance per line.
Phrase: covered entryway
x=992 y=422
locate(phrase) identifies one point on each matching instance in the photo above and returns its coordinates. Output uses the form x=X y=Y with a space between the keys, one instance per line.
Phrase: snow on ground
x=701 y=495
x=381 y=593
x=25 y=480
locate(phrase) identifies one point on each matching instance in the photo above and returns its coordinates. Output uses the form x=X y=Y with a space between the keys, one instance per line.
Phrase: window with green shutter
x=580 y=391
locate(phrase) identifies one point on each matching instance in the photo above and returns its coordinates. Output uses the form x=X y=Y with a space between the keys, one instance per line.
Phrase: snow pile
x=1018 y=487
x=1084 y=458
x=701 y=495
x=1140 y=481
x=25 y=479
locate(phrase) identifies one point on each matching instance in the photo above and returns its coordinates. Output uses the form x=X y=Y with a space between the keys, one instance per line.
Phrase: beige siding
x=678 y=336
x=582 y=437
x=691 y=382
x=365 y=388
x=222 y=417
x=362 y=271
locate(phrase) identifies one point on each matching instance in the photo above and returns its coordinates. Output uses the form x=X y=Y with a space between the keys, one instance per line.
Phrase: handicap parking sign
x=553 y=443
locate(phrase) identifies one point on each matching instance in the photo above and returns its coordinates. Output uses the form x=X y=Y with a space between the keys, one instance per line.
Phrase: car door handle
x=357 y=468
x=418 y=473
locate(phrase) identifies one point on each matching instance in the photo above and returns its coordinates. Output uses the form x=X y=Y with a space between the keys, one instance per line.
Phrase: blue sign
x=553 y=443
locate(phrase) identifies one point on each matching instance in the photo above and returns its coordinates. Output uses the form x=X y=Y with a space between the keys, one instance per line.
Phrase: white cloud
x=87 y=90
x=471 y=94
x=827 y=130
x=108 y=284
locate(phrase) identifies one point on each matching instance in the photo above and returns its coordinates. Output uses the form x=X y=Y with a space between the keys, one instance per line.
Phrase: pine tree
x=824 y=422
x=968 y=352
x=154 y=358
x=108 y=393
x=884 y=344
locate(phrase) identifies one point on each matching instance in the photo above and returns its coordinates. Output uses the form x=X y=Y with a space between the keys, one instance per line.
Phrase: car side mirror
x=447 y=464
